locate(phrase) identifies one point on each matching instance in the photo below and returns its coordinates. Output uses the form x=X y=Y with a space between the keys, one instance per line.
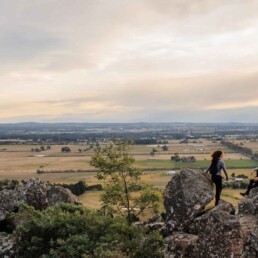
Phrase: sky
x=128 y=61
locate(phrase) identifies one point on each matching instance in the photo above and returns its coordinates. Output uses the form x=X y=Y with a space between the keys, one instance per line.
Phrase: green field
x=231 y=164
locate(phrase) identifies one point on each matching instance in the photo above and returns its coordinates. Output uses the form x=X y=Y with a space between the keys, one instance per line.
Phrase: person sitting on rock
x=252 y=183
x=217 y=164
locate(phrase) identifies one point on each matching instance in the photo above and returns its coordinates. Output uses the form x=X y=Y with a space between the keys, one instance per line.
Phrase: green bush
x=73 y=231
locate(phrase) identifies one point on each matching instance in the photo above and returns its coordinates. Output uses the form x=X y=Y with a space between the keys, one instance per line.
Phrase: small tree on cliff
x=125 y=193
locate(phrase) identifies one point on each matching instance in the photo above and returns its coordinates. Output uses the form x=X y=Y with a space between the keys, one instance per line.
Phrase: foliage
x=164 y=148
x=235 y=185
x=72 y=231
x=78 y=188
x=238 y=148
x=177 y=158
x=125 y=193
x=65 y=149
x=145 y=141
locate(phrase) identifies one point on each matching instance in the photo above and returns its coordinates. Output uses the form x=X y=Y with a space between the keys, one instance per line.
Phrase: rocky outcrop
x=249 y=205
x=34 y=193
x=181 y=245
x=7 y=245
x=57 y=194
x=186 y=196
x=251 y=247
x=218 y=232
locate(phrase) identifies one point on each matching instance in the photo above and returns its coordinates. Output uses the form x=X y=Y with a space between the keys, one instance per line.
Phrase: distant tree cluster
x=153 y=151
x=238 y=148
x=145 y=141
x=162 y=142
x=164 y=148
x=177 y=158
x=65 y=149
x=41 y=148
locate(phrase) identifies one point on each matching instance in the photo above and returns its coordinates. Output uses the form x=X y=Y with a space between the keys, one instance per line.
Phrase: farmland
x=30 y=147
x=20 y=162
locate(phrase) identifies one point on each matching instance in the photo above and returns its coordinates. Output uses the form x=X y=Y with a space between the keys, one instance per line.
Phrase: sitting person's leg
x=253 y=183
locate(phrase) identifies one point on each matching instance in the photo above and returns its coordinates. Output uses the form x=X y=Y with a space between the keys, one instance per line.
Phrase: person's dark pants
x=252 y=184
x=217 y=180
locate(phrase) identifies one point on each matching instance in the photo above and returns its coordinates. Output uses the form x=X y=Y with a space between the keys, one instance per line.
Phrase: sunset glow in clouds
x=129 y=60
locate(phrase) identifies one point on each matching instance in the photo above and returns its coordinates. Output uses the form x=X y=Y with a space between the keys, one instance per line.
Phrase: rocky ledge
x=34 y=193
x=220 y=232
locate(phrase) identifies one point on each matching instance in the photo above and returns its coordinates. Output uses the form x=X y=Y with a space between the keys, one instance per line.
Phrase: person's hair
x=215 y=158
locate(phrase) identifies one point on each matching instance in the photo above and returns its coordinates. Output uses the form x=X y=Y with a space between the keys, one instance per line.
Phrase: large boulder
x=34 y=193
x=219 y=234
x=186 y=196
x=180 y=245
x=249 y=204
x=251 y=247
x=248 y=223
x=56 y=194
x=8 y=202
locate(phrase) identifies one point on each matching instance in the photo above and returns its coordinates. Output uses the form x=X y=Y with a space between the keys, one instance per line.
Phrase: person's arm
x=223 y=166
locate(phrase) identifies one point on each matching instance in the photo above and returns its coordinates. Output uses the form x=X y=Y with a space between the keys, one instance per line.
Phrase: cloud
x=128 y=60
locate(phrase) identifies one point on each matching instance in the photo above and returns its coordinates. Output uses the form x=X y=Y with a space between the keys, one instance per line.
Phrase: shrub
x=73 y=231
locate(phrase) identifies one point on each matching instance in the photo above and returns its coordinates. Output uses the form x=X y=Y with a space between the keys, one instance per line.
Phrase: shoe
x=243 y=194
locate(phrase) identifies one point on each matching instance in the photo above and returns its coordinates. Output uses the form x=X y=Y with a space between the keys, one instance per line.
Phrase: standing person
x=252 y=184
x=217 y=164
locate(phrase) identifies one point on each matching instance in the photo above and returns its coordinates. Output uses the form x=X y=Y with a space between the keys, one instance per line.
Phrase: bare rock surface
x=249 y=204
x=34 y=193
x=181 y=245
x=186 y=196
x=7 y=245
x=251 y=247
x=219 y=232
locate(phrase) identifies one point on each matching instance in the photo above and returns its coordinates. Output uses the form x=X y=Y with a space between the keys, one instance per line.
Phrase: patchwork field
x=19 y=162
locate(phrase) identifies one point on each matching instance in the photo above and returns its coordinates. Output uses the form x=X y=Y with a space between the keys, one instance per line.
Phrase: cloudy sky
x=129 y=60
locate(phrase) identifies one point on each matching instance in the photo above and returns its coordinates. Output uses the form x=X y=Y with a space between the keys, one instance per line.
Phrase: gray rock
x=248 y=223
x=56 y=194
x=251 y=247
x=8 y=202
x=186 y=196
x=225 y=206
x=218 y=232
x=249 y=204
x=159 y=226
x=35 y=193
x=219 y=235
x=180 y=245
x=7 y=245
